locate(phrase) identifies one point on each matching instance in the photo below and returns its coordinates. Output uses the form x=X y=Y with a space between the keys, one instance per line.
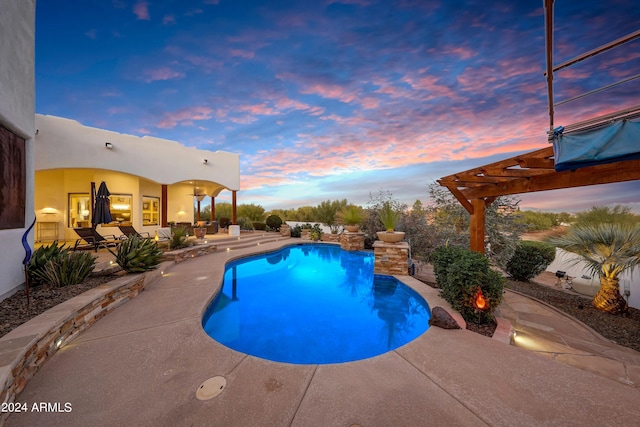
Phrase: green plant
x=350 y=215
x=316 y=233
x=69 y=268
x=41 y=257
x=245 y=224
x=389 y=216
x=224 y=222
x=530 y=259
x=296 y=231
x=467 y=281
x=259 y=226
x=179 y=238
x=136 y=254
x=274 y=222
x=608 y=249
x=441 y=258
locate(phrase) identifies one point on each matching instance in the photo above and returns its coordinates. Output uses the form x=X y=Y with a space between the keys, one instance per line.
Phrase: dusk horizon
x=340 y=98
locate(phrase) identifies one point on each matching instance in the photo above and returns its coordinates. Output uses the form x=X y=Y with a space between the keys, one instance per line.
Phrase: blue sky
x=337 y=99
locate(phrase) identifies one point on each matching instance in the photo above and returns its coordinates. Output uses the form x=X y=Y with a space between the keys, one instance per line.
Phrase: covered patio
x=153 y=182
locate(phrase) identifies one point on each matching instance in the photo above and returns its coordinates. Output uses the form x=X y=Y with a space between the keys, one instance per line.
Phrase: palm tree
x=608 y=249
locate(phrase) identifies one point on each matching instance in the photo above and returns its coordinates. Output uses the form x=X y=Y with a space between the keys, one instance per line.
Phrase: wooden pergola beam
x=628 y=170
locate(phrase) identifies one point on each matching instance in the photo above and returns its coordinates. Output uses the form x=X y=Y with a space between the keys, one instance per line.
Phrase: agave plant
x=389 y=216
x=137 y=254
x=608 y=249
x=70 y=268
x=41 y=257
x=350 y=215
x=179 y=238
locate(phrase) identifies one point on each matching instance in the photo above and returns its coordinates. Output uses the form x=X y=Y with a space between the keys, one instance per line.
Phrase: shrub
x=274 y=222
x=41 y=257
x=466 y=275
x=179 y=238
x=224 y=222
x=441 y=258
x=245 y=224
x=69 y=268
x=530 y=259
x=316 y=233
x=136 y=254
x=260 y=226
x=296 y=231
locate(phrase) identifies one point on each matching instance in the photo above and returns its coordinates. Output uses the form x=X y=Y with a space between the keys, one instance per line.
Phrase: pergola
x=535 y=171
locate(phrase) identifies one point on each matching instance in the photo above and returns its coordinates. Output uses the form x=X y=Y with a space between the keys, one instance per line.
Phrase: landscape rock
x=442 y=319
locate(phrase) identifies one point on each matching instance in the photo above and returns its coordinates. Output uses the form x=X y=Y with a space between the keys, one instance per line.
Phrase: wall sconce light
x=108 y=145
x=205 y=161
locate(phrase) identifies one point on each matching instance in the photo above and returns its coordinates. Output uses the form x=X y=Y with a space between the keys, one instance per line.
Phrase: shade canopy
x=609 y=143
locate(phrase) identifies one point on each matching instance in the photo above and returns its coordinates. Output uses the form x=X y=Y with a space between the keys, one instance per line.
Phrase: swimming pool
x=313 y=304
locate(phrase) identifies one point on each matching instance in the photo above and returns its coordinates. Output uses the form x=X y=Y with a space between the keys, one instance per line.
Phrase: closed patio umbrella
x=101 y=210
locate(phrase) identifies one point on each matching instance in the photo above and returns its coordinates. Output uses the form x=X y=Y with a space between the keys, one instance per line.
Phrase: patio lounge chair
x=93 y=240
x=128 y=230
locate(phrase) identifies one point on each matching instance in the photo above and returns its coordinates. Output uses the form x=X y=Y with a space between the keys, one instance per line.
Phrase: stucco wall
x=566 y=261
x=64 y=143
x=17 y=47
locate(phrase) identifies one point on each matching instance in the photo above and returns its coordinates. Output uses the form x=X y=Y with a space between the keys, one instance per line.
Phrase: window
x=120 y=209
x=150 y=210
x=79 y=210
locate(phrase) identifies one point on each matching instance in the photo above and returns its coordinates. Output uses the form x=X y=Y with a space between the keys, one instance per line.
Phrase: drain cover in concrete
x=211 y=388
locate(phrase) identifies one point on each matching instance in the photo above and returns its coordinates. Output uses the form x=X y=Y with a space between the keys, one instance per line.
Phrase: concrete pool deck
x=142 y=365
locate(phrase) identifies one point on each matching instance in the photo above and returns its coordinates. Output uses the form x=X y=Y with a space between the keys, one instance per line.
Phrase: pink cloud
x=242 y=53
x=185 y=117
x=141 y=10
x=168 y=20
x=162 y=73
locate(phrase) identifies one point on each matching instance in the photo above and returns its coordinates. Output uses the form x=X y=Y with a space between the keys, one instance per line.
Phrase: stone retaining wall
x=26 y=348
x=196 y=250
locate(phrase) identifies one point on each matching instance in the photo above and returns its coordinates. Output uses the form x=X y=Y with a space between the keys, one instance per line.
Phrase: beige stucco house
x=152 y=181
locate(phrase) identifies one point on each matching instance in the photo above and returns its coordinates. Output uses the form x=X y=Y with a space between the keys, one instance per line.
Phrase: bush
x=69 y=268
x=40 y=258
x=179 y=238
x=274 y=222
x=136 y=254
x=316 y=233
x=467 y=275
x=441 y=258
x=260 y=226
x=245 y=224
x=296 y=231
x=224 y=222
x=530 y=259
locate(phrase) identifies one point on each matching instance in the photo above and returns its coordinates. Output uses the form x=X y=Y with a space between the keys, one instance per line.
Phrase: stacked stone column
x=391 y=259
x=352 y=241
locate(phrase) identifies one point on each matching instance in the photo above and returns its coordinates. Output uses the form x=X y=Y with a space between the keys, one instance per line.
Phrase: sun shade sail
x=610 y=143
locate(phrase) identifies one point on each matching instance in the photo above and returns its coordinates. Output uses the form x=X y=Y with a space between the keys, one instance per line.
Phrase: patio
x=143 y=363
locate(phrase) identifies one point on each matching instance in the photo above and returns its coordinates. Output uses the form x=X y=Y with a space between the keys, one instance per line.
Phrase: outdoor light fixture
x=205 y=161
x=108 y=145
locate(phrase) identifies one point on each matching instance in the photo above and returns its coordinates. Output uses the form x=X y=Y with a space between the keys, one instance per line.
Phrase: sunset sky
x=334 y=99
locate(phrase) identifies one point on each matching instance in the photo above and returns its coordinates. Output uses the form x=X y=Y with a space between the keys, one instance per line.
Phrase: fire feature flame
x=480 y=302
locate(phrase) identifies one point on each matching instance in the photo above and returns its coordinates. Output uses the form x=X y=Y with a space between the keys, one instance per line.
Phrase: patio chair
x=163 y=236
x=93 y=240
x=128 y=230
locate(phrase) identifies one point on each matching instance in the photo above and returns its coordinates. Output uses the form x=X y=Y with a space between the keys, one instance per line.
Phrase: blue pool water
x=313 y=304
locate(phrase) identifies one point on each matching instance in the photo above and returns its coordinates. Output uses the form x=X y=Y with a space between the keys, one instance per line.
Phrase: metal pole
x=548 y=23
